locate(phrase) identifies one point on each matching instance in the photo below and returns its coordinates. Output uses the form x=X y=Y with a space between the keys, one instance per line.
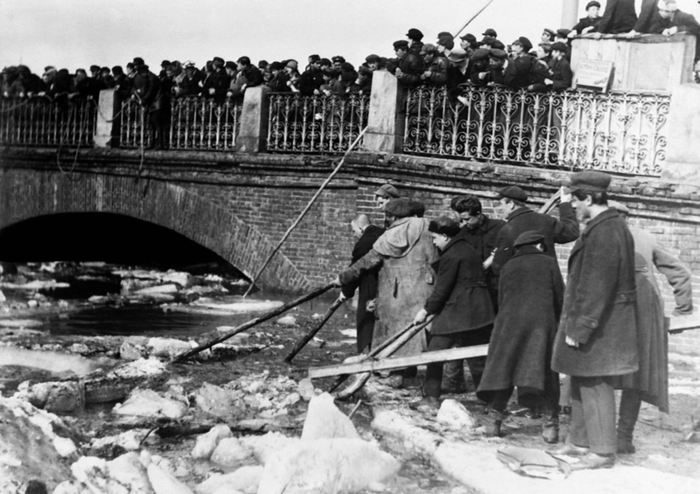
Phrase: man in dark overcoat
x=366 y=234
x=650 y=383
x=520 y=353
x=597 y=336
x=460 y=302
x=619 y=17
x=519 y=219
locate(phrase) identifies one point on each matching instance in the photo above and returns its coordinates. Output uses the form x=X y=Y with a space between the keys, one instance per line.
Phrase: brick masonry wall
x=240 y=207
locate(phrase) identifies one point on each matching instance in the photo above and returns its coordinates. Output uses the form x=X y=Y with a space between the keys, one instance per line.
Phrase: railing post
x=387 y=114
x=254 y=118
x=107 y=108
x=682 y=163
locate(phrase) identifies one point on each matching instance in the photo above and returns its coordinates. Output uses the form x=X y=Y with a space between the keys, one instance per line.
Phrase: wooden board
x=399 y=362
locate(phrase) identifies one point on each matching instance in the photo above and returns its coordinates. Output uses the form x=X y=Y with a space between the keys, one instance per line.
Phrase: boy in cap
x=519 y=219
x=460 y=302
x=436 y=71
x=384 y=194
x=597 y=336
x=405 y=254
x=409 y=66
x=531 y=292
x=588 y=24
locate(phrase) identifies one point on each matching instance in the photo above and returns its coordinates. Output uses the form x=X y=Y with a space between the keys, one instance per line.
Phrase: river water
x=103 y=299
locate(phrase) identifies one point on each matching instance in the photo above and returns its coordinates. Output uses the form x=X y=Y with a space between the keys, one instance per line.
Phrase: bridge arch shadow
x=170 y=206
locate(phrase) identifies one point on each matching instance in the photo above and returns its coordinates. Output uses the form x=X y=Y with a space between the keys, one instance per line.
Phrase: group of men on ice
x=482 y=280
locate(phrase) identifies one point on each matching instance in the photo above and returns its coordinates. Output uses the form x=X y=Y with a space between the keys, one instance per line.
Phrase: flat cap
x=488 y=40
x=490 y=32
x=480 y=54
x=388 y=191
x=401 y=44
x=513 y=192
x=498 y=44
x=559 y=46
x=445 y=226
x=498 y=53
x=428 y=48
x=529 y=237
x=550 y=32
x=414 y=34
x=314 y=58
x=563 y=33
x=457 y=55
x=401 y=208
x=218 y=61
x=372 y=58
x=592 y=4
x=293 y=64
x=525 y=43
x=469 y=38
x=590 y=180
x=340 y=59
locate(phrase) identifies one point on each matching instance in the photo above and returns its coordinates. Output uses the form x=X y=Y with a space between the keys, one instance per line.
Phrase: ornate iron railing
x=40 y=121
x=191 y=123
x=315 y=124
x=617 y=132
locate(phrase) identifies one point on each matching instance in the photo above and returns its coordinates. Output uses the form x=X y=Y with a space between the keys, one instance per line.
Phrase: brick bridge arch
x=173 y=206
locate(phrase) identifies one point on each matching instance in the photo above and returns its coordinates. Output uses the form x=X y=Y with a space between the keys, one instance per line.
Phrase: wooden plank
x=399 y=362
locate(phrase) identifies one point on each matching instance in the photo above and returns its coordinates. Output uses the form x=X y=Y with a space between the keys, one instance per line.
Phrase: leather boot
x=492 y=425
x=453 y=377
x=630 y=402
x=550 y=426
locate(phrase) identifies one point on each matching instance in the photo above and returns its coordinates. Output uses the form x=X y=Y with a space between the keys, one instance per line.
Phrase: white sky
x=79 y=33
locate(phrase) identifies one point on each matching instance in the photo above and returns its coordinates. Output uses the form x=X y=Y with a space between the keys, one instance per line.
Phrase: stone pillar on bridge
x=107 y=124
x=683 y=157
x=387 y=114
x=252 y=136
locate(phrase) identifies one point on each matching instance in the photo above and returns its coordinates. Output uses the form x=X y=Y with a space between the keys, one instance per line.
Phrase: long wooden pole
x=303 y=213
x=253 y=322
x=308 y=336
x=472 y=18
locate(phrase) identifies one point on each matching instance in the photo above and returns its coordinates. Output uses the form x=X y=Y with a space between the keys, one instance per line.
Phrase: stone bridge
x=237 y=186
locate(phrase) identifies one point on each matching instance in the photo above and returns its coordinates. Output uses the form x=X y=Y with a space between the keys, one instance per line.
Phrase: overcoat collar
x=606 y=215
x=518 y=212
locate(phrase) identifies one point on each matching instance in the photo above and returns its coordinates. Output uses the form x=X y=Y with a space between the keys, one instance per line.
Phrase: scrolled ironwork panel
x=315 y=124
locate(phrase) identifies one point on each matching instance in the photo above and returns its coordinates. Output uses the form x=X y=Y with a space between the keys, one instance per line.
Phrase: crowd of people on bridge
x=449 y=61
x=479 y=280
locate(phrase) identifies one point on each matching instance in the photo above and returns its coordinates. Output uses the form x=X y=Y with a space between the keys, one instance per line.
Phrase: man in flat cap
x=408 y=67
x=490 y=32
x=588 y=24
x=218 y=83
x=468 y=43
x=405 y=253
x=436 y=66
x=384 y=194
x=414 y=40
x=366 y=234
x=650 y=383
x=519 y=219
x=597 y=336
x=547 y=36
x=531 y=293
x=560 y=75
x=517 y=71
x=460 y=303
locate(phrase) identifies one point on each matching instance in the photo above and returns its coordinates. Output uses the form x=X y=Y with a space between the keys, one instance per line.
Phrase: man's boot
x=630 y=402
x=453 y=377
x=492 y=425
x=550 y=427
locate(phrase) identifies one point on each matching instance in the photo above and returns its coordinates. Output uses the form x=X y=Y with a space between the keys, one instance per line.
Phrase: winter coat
x=483 y=238
x=460 y=298
x=412 y=66
x=562 y=76
x=648 y=16
x=367 y=285
x=585 y=22
x=518 y=72
x=619 y=17
x=523 y=219
x=652 y=325
x=405 y=253
x=599 y=304
x=531 y=294
x=438 y=71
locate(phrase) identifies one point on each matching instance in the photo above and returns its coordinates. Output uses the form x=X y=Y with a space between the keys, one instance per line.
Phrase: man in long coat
x=460 y=302
x=366 y=234
x=597 y=336
x=405 y=253
x=519 y=219
x=650 y=383
x=531 y=293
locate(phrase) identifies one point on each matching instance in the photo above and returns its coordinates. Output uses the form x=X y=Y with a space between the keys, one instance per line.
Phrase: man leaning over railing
x=560 y=74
